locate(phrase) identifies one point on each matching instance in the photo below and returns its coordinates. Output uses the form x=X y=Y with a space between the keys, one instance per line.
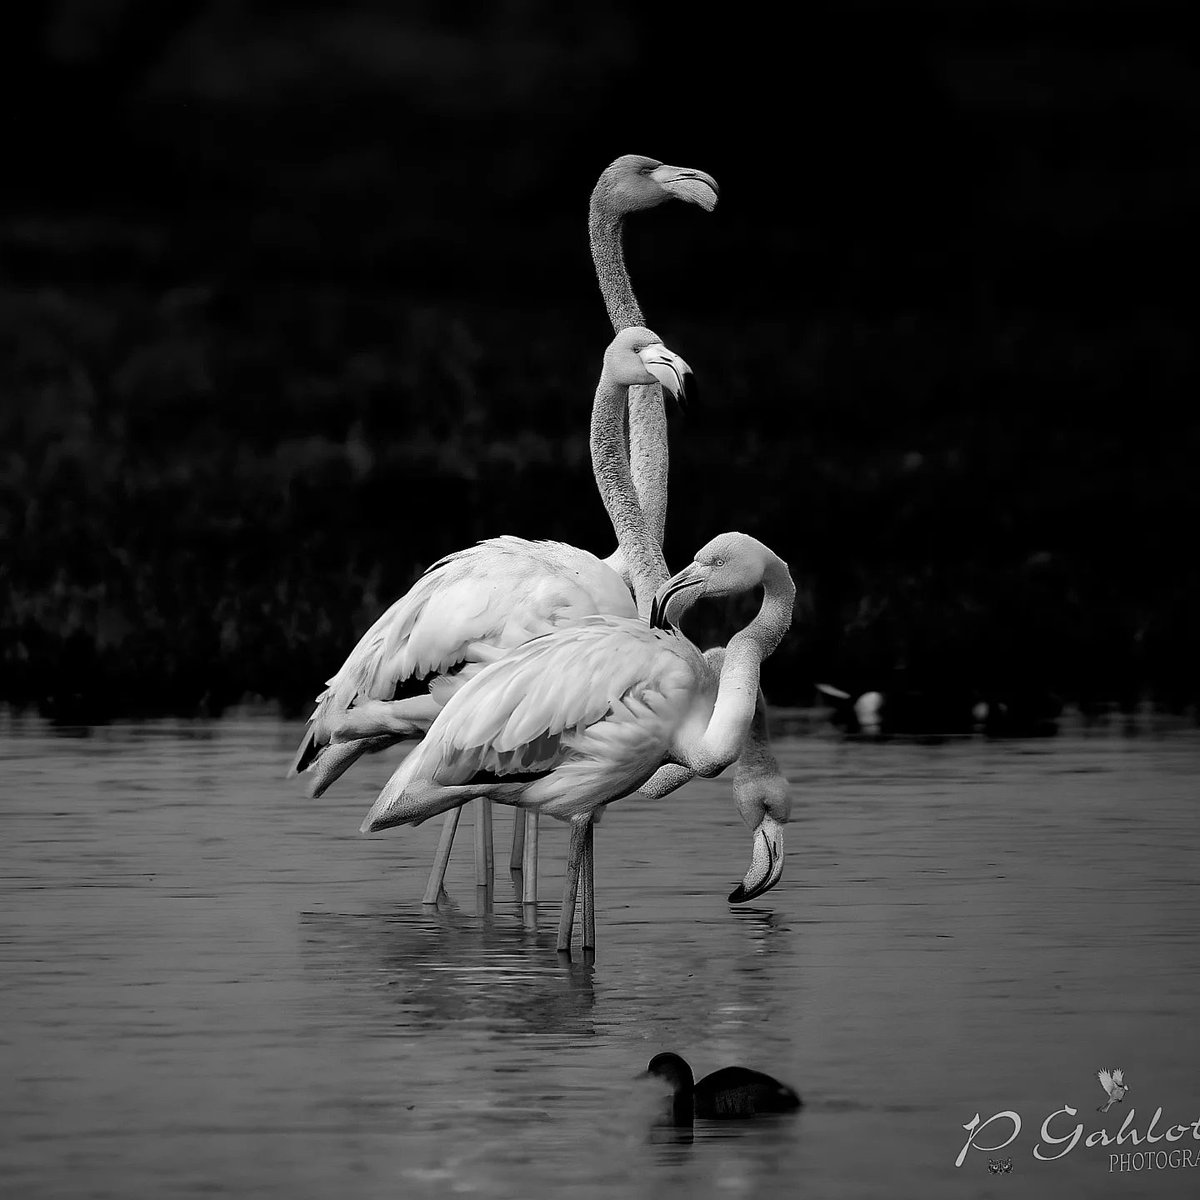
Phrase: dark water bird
x=730 y=1094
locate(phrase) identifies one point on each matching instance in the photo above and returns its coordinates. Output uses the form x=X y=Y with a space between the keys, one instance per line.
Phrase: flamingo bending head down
x=584 y=715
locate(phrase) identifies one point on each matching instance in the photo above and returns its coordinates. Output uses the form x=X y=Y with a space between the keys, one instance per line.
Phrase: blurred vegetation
x=302 y=331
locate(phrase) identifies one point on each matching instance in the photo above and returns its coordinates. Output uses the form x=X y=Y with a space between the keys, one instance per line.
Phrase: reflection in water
x=418 y=973
x=210 y=983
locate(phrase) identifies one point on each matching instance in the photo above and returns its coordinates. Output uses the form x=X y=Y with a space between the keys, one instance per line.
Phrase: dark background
x=296 y=298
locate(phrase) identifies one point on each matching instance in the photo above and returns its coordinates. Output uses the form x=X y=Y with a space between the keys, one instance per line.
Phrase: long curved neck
x=642 y=555
x=608 y=256
x=649 y=462
x=737 y=691
x=760 y=788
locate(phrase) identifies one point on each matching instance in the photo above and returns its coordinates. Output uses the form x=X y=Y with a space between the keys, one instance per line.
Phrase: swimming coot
x=729 y=1094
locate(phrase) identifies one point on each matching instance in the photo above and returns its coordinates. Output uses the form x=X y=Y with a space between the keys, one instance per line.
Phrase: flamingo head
x=762 y=796
x=634 y=182
x=637 y=356
x=730 y=563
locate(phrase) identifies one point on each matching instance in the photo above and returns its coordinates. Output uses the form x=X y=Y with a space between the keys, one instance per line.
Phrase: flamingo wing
x=553 y=684
x=600 y=697
x=459 y=614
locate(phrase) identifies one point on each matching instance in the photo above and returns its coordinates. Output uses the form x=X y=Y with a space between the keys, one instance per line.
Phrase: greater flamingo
x=587 y=714
x=471 y=607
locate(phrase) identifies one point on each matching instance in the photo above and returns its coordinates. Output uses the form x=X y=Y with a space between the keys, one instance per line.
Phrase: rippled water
x=209 y=982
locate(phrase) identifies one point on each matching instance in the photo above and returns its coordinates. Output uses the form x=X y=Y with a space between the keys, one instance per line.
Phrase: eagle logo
x=1114 y=1084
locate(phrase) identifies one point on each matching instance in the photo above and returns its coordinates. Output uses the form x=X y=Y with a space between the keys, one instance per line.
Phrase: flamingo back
x=569 y=721
x=467 y=609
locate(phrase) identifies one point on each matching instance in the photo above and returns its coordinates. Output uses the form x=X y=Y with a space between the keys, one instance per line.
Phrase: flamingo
x=587 y=714
x=470 y=608
x=628 y=184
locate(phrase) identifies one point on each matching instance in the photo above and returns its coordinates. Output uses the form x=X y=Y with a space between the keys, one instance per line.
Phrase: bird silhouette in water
x=1114 y=1085
x=730 y=1094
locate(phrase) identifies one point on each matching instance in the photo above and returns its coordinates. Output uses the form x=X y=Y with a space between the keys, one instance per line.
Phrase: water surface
x=209 y=982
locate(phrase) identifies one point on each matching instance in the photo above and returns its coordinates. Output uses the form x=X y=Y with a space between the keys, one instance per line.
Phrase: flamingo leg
x=588 y=884
x=483 y=835
x=489 y=843
x=516 y=859
x=530 y=859
x=437 y=873
x=575 y=855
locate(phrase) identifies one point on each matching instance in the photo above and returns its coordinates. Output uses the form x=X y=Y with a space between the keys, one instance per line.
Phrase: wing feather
x=1106 y=1080
x=465 y=608
x=518 y=708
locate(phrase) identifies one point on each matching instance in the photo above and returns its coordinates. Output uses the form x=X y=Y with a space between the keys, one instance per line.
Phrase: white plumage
x=471 y=607
x=468 y=608
x=590 y=711
x=583 y=716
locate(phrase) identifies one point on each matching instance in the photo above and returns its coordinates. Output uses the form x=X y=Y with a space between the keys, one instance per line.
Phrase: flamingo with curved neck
x=472 y=606
x=570 y=722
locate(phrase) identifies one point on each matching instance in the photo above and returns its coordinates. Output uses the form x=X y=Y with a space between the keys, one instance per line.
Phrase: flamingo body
x=586 y=714
x=562 y=725
x=472 y=606
x=467 y=609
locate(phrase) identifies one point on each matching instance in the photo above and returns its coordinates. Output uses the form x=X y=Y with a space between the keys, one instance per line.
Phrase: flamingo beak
x=668 y=368
x=694 y=187
x=766 y=865
x=691 y=576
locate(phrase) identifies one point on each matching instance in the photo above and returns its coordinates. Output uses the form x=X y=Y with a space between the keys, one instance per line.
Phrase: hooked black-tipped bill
x=686 y=183
x=676 y=584
x=766 y=865
x=669 y=369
